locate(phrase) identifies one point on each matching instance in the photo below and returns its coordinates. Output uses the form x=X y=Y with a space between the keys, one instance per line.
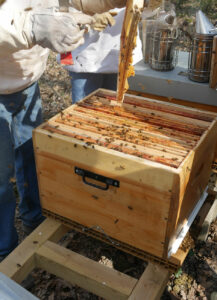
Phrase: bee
x=174 y=158
x=28 y=9
x=12 y=180
x=62 y=114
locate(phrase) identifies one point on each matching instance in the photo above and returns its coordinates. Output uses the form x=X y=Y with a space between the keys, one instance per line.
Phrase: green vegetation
x=189 y=8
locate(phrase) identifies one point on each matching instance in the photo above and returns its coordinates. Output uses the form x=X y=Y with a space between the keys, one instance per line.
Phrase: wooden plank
x=147 y=115
x=170 y=116
x=211 y=110
x=88 y=274
x=162 y=140
x=144 y=117
x=213 y=72
x=165 y=103
x=195 y=105
x=193 y=179
x=200 y=169
x=19 y=263
x=168 y=133
x=147 y=106
x=120 y=212
x=152 y=102
x=126 y=145
x=149 y=140
x=128 y=167
x=179 y=257
x=128 y=43
x=146 y=185
x=151 y=284
x=85 y=131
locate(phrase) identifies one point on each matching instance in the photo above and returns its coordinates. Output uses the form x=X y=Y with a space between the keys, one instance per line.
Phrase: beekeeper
x=95 y=63
x=27 y=29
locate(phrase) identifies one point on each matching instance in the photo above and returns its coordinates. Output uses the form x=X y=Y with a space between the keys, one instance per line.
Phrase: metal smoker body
x=201 y=50
x=163 y=53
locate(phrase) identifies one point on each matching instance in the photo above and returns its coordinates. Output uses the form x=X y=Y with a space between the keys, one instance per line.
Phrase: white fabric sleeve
x=15 y=31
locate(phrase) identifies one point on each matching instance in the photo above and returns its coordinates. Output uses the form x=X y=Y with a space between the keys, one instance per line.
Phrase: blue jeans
x=19 y=114
x=85 y=83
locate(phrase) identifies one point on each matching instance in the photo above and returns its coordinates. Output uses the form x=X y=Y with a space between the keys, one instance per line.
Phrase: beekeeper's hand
x=58 y=31
x=101 y=21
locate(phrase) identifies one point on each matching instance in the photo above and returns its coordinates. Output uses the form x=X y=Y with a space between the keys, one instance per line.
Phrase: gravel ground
x=196 y=280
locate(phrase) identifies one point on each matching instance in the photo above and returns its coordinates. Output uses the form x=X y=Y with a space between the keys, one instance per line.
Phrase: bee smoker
x=163 y=54
x=147 y=31
x=200 y=56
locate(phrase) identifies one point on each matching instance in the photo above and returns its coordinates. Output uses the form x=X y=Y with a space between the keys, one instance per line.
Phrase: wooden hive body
x=159 y=154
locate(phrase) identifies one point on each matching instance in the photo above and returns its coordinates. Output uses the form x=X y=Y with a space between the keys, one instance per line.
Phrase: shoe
x=28 y=229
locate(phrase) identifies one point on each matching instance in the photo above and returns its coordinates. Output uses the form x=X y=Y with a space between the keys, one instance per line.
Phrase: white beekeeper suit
x=100 y=52
x=27 y=29
x=23 y=67
x=22 y=60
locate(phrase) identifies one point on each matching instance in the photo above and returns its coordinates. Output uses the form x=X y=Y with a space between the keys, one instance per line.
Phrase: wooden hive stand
x=40 y=250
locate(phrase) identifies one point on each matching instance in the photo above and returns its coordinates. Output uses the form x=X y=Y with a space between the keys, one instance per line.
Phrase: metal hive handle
x=102 y=179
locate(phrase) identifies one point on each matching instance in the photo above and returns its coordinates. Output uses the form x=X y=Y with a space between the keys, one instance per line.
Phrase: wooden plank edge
x=213 y=71
x=84 y=272
x=151 y=284
x=19 y=263
x=179 y=257
x=194 y=106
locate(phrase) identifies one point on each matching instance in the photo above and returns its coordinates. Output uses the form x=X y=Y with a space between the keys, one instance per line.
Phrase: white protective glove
x=101 y=21
x=59 y=31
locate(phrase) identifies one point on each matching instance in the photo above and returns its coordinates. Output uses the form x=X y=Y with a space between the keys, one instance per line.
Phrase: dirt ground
x=196 y=280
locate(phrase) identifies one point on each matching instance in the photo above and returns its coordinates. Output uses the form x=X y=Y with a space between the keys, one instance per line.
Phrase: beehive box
x=133 y=171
